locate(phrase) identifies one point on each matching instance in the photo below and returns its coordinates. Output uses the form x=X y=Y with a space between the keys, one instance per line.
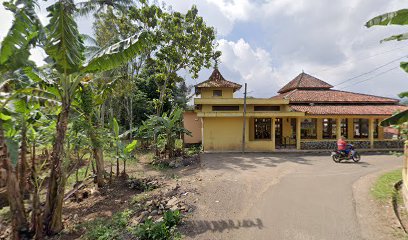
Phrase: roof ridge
x=300 y=80
x=365 y=94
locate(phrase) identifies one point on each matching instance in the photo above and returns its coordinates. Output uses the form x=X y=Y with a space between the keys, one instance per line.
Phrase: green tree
x=65 y=49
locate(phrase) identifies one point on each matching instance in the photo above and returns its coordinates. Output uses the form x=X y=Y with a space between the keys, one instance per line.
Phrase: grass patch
x=139 y=198
x=383 y=189
x=117 y=228
x=108 y=228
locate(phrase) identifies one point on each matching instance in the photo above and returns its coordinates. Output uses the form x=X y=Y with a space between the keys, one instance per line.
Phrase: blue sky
x=266 y=43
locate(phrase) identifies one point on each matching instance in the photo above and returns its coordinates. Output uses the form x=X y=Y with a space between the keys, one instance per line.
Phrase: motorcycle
x=339 y=156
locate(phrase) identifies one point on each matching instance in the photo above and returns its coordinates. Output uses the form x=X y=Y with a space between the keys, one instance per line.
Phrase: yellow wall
x=222 y=134
x=193 y=124
x=208 y=92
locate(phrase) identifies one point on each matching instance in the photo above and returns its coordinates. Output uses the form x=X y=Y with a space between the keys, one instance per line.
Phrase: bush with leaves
x=162 y=230
x=165 y=131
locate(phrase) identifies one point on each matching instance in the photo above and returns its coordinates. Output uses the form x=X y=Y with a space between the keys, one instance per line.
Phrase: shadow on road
x=361 y=164
x=193 y=228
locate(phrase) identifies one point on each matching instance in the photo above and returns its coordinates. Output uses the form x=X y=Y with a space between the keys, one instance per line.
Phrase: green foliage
x=162 y=230
x=396 y=119
x=64 y=43
x=108 y=229
x=166 y=129
x=5 y=214
x=193 y=150
x=130 y=147
x=23 y=34
x=138 y=198
x=399 y=17
x=383 y=189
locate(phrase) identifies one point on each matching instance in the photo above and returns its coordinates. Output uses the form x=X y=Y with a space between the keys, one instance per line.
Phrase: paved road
x=271 y=196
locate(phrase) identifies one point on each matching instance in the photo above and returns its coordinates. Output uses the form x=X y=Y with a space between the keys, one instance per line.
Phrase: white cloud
x=252 y=65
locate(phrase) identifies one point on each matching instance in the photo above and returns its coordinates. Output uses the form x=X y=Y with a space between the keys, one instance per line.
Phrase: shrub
x=162 y=230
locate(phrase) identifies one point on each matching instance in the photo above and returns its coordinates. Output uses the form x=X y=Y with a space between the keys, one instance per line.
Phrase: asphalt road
x=280 y=196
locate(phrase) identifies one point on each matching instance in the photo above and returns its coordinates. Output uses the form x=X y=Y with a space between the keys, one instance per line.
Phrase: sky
x=266 y=43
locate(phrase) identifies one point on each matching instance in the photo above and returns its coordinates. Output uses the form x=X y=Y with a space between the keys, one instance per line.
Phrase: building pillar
x=371 y=132
x=338 y=127
x=273 y=132
x=350 y=128
x=202 y=134
x=319 y=128
x=298 y=133
x=380 y=131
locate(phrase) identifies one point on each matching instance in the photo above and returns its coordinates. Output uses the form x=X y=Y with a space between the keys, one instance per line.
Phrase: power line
x=360 y=59
x=370 y=78
x=371 y=71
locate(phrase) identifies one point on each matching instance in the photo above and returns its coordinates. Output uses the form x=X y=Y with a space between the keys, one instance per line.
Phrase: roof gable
x=216 y=80
x=305 y=81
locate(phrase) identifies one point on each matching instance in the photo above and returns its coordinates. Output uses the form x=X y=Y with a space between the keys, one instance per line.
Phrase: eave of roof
x=332 y=96
x=349 y=109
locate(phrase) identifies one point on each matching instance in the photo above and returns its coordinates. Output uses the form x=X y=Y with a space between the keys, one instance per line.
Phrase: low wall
x=405 y=177
x=380 y=144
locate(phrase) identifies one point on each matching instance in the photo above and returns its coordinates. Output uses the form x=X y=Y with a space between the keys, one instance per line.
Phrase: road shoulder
x=377 y=221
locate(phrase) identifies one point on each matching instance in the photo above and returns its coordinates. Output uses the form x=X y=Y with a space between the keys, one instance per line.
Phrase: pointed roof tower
x=216 y=80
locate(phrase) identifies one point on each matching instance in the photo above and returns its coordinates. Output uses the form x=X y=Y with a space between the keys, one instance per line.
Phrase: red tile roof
x=216 y=80
x=305 y=81
x=349 y=109
x=332 y=96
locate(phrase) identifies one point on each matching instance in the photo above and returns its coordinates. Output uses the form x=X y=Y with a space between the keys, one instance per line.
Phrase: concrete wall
x=405 y=177
x=358 y=144
x=223 y=134
x=208 y=92
x=193 y=124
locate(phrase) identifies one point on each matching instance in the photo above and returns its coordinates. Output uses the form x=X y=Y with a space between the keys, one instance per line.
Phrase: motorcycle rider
x=342 y=146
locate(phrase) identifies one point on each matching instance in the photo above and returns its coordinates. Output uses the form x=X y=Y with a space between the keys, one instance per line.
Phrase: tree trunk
x=117 y=166
x=131 y=119
x=56 y=184
x=36 y=218
x=19 y=222
x=100 y=169
x=23 y=160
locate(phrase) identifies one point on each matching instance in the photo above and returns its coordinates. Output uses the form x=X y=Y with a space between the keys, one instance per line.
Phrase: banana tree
x=399 y=17
x=65 y=49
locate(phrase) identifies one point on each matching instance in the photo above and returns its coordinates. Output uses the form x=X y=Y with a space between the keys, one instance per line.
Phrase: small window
x=262 y=128
x=217 y=93
x=266 y=108
x=225 y=108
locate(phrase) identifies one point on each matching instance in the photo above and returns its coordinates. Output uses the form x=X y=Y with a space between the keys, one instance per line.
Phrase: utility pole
x=244 y=117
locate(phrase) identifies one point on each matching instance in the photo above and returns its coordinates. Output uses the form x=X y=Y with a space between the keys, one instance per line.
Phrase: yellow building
x=307 y=114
